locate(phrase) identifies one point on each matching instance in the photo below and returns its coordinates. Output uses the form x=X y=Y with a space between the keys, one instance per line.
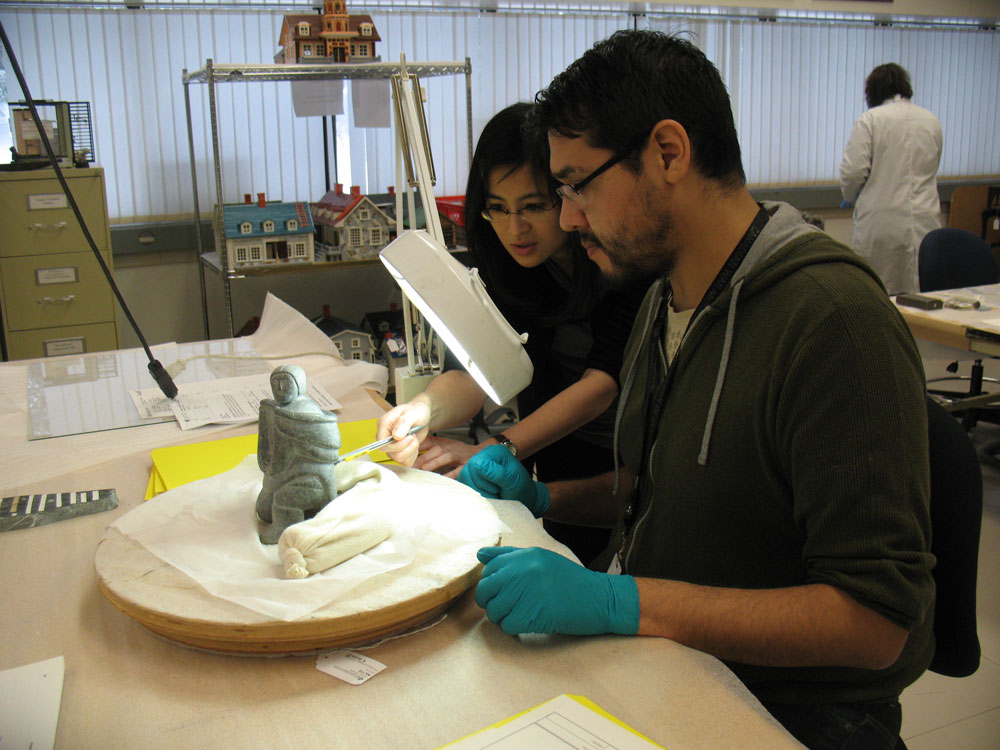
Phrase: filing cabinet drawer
x=53 y=342
x=58 y=289
x=38 y=218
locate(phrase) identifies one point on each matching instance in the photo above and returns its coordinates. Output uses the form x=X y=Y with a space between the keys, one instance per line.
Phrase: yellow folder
x=179 y=464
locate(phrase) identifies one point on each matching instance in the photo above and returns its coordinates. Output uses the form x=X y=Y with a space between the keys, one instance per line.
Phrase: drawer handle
x=38 y=226
x=56 y=300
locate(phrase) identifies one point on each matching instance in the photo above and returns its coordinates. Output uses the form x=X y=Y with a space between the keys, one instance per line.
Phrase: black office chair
x=956 y=518
x=950 y=259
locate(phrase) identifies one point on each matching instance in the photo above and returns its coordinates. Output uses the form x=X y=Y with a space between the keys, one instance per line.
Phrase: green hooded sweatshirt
x=791 y=449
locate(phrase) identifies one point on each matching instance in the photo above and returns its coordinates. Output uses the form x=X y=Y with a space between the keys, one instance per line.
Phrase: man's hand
x=533 y=590
x=494 y=472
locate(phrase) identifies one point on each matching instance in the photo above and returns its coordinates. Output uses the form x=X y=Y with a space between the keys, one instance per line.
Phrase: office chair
x=950 y=259
x=956 y=518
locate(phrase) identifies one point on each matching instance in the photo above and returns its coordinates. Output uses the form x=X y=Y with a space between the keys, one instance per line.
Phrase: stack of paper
x=180 y=464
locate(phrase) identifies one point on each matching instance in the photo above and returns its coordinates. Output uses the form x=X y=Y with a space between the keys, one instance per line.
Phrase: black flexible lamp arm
x=156 y=369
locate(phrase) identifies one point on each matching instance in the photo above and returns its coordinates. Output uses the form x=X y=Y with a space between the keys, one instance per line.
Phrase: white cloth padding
x=346 y=527
x=208 y=530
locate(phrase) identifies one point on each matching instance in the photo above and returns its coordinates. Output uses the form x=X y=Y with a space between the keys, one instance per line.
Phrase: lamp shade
x=454 y=301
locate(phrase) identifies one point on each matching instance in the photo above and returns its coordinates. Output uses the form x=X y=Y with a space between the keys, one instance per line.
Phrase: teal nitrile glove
x=494 y=472
x=533 y=590
x=847 y=204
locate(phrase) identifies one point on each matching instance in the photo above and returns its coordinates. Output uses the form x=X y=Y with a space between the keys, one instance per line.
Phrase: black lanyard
x=656 y=405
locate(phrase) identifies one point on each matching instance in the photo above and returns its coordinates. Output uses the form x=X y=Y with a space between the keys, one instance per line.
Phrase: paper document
x=29 y=704
x=229 y=401
x=569 y=722
x=92 y=392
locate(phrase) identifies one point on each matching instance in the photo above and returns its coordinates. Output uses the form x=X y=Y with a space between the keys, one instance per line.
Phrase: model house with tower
x=335 y=36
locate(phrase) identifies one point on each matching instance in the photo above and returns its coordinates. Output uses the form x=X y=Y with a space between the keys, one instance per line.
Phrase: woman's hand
x=397 y=422
x=445 y=456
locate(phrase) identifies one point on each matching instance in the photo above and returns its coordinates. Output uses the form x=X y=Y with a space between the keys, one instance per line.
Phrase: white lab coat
x=889 y=171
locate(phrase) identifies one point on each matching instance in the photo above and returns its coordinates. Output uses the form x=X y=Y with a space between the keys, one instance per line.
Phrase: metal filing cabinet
x=55 y=299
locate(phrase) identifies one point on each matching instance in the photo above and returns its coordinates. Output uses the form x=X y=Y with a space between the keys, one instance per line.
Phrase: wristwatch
x=506 y=442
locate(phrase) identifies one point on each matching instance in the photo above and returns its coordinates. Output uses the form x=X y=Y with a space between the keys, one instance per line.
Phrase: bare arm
x=586 y=399
x=572 y=407
x=588 y=502
x=799 y=626
x=450 y=399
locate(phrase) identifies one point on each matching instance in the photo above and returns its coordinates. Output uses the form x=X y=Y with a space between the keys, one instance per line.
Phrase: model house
x=267 y=232
x=350 y=226
x=451 y=209
x=333 y=37
x=351 y=342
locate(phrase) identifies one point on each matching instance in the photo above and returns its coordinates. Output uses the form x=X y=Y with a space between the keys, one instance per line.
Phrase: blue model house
x=267 y=232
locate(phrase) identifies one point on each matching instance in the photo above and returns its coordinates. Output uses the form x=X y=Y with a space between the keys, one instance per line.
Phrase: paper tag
x=348 y=666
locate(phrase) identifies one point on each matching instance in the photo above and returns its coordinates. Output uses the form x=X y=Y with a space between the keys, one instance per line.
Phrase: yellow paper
x=471 y=740
x=179 y=464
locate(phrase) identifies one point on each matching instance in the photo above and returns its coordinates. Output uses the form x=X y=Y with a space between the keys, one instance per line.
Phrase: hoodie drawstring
x=721 y=377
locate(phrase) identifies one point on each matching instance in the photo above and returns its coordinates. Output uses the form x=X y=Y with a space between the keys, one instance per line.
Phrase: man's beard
x=638 y=255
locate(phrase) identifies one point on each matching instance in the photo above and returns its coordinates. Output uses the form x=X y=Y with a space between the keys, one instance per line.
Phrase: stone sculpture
x=298 y=447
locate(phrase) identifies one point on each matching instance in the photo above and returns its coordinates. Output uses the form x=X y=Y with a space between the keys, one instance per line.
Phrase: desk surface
x=950 y=327
x=125 y=687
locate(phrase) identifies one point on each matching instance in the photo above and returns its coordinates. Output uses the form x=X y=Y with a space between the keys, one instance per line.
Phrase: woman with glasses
x=542 y=281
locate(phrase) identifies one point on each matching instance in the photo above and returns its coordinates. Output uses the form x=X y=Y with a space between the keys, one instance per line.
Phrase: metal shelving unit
x=219 y=73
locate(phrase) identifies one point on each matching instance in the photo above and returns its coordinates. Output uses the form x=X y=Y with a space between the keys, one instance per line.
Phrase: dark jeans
x=848 y=726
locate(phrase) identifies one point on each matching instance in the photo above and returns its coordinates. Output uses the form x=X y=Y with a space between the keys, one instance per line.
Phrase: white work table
x=126 y=688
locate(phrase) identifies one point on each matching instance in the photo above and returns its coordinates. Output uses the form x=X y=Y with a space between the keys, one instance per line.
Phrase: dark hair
x=885 y=82
x=530 y=295
x=619 y=89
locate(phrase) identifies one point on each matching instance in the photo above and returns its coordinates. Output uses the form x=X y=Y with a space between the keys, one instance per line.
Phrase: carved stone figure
x=298 y=446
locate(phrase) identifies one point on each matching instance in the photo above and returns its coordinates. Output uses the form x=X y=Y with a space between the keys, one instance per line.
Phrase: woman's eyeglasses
x=530 y=212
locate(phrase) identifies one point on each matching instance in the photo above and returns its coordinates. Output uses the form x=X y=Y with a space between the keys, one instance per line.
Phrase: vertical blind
x=796 y=87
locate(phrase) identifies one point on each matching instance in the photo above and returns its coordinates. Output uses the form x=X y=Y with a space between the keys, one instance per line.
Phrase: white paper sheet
x=29 y=704
x=370 y=100
x=285 y=331
x=208 y=530
x=317 y=98
x=229 y=401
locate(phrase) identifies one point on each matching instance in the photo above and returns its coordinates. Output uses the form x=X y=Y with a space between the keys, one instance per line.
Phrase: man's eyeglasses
x=530 y=212
x=572 y=192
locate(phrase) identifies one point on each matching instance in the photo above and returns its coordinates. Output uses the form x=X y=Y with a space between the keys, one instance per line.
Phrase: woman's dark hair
x=526 y=295
x=885 y=82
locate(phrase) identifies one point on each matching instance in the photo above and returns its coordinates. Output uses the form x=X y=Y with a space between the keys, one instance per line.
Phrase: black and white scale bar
x=25 y=511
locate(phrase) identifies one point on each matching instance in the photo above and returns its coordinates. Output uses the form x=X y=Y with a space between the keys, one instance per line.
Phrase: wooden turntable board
x=169 y=603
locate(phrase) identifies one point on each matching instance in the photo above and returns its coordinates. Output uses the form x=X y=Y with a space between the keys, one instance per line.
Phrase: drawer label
x=65 y=275
x=47 y=200
x=58 y=347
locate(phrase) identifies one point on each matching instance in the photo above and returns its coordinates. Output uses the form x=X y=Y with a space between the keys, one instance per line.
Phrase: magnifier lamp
x=456 y=305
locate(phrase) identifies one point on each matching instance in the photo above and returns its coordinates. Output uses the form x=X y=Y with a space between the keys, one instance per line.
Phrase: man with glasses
x=772 y=507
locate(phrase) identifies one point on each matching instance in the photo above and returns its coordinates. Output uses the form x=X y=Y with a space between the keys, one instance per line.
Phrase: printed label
x=349 y=666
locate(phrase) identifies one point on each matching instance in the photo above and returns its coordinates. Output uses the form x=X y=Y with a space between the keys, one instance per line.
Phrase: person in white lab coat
x=889 y=171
